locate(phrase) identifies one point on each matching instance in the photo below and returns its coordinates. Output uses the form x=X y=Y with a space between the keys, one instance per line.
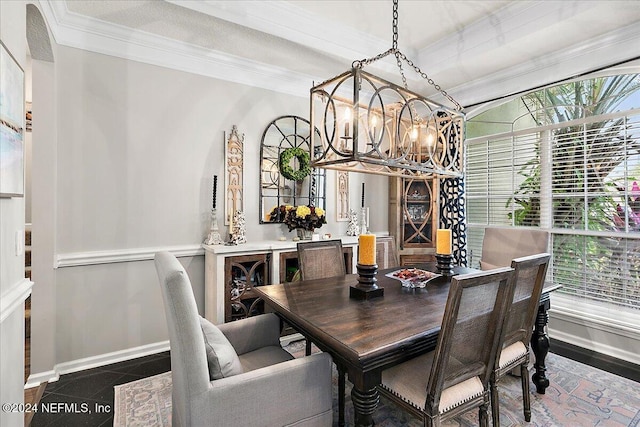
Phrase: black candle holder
x=444 y=264
x=367 y=287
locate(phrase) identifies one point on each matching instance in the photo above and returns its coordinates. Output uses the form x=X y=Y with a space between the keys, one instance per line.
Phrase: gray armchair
x=267 y=387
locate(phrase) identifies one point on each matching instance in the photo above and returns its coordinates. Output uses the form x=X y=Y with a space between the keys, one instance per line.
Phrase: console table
x=260 y=263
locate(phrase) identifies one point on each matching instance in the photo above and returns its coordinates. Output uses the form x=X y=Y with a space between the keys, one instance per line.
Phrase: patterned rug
x=578 y=395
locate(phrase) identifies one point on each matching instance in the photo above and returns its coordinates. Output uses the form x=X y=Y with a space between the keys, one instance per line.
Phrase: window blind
x=592 y=167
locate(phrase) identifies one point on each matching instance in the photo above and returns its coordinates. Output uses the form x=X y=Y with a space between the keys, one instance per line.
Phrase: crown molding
x=293 y=23
x=86 y=33
x=518 y=19
x=606 y=50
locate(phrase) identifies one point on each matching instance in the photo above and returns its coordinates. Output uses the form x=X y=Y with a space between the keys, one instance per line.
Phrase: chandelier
x=368 y=124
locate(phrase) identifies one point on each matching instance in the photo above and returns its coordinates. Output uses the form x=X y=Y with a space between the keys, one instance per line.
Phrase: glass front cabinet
x=413 y=218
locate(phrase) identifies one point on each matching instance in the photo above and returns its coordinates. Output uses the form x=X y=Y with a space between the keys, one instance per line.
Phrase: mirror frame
x=282 y=133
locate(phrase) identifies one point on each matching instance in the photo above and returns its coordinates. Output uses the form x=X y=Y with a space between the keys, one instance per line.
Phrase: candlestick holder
x=214 y=237
x=367 y=287
x=364 y=221
x=444 y=264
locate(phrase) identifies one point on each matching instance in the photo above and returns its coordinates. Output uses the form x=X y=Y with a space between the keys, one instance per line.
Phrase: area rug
x=578 y=395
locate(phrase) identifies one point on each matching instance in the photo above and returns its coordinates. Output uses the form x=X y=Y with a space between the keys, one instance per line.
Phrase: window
x=566 y=159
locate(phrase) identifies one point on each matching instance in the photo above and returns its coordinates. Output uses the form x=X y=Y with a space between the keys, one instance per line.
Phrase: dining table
x=367 y=336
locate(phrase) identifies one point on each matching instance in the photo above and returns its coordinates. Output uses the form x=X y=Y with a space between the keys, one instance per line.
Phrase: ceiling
x=475 y=50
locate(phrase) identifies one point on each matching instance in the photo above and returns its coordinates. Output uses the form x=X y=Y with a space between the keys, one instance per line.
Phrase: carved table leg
x=540 y=347
x=364 y=405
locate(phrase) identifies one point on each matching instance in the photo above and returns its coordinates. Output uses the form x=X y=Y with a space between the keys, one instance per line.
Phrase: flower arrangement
x=305 y=217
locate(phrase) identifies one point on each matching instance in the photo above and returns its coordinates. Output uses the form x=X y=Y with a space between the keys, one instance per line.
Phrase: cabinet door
x=418 y=218
x=242 y=274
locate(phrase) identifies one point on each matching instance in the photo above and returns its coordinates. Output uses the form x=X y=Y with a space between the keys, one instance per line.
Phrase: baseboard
x=601 y=361
x=96 y=361
x=35 y=380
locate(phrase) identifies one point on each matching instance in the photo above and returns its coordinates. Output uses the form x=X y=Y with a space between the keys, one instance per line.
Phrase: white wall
x=136 y=147
x=13 y=287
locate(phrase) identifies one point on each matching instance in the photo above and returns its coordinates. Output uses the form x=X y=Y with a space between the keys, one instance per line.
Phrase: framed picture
x=12 y=119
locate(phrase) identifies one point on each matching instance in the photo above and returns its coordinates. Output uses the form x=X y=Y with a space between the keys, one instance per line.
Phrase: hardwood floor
x=32 y=396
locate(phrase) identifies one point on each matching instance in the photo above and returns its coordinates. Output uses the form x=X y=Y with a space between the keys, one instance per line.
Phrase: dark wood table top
x=367 y=334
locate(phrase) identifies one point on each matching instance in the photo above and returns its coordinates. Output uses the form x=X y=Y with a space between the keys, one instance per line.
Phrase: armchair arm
x=252 y=333
x=281 y=394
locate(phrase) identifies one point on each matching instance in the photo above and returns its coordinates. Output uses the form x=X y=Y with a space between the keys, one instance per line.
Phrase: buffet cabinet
x=232 y=272
x=413 y=218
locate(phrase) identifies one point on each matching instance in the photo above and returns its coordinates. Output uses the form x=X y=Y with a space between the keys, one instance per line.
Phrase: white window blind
x=589 y=199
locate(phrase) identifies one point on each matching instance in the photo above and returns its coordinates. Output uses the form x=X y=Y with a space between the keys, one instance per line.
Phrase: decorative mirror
x=285 y=175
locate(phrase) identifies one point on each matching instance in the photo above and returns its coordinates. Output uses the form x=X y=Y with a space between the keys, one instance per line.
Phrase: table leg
x=341 y=394
x=364 y=405
x=540 y=347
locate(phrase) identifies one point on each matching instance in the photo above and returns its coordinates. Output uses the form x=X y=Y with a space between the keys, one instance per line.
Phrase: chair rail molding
x=14 y=298
x=75 y=259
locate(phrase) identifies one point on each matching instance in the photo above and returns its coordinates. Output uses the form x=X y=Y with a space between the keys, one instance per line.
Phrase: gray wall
x=134 y=152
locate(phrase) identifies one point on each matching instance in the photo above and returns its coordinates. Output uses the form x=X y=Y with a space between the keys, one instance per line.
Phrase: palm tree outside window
x=566 y=159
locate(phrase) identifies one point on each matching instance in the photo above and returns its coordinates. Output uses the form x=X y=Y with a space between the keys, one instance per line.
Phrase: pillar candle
x=367 y=249
x=443 y=242
x=215 y=188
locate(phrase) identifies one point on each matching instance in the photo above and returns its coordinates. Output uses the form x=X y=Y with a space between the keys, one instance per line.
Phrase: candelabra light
x=370 y=125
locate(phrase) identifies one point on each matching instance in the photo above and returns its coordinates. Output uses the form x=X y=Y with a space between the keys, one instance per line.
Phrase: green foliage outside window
x=588 y=190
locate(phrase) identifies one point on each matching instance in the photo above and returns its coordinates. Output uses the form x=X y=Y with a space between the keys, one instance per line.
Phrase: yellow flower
x=319 y=211
x=303 y=211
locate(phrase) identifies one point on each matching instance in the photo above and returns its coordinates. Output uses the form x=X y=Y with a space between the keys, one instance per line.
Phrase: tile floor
x=90 y=392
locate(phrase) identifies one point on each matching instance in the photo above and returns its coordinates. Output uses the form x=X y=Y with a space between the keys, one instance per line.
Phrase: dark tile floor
x=86 y=398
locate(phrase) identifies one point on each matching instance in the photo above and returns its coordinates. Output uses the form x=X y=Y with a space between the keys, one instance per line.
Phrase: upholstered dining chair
x=500 y=245
x=530 y=273
x=386 y=253
x=237 y=374
x=321 y=260
x=454 y=378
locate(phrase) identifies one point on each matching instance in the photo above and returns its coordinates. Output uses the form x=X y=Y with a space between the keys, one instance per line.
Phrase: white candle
x=374 y=122
x=347 y=118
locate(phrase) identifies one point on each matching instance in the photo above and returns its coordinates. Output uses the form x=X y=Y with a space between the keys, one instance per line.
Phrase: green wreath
x=303 y=163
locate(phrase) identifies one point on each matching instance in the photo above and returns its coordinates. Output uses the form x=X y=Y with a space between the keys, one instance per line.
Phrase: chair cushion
x=460 y=393
x=512 y=353
x=409 y=382
x=221 y=356
x=265 y=356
